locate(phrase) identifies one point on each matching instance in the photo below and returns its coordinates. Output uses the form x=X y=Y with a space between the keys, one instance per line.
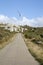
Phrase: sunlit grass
x=5 y=36
x=34 y=42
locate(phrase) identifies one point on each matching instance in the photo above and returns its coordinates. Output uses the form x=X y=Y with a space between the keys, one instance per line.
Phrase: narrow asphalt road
x=16 y=53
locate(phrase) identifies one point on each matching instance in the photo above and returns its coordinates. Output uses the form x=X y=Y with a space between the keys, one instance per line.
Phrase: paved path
x=16 y=53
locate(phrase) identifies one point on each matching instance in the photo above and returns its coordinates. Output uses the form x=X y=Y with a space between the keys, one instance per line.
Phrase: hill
x=5 y=36
x=34 y=41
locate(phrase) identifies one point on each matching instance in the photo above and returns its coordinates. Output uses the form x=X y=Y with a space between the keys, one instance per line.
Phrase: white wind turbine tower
x=20 y=17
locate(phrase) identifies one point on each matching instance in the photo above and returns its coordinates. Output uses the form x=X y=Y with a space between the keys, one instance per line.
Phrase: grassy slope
x=35 y=48
x=5 y=36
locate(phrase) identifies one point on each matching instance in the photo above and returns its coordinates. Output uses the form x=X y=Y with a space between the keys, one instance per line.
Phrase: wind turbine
x=20 y=17
x=19 y=14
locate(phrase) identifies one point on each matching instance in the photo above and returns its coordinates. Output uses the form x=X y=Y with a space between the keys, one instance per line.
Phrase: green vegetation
x=5 y=36
x=34 y=41
x=36 y=33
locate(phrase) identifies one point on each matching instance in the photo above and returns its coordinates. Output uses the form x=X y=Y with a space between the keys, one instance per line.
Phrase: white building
x=22 y=29
x=15 y=28
x=9 y=27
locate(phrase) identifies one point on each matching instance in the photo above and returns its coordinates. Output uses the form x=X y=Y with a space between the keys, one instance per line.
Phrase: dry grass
x=35 y=50
x=5 y=37
x=6 y=42
x=34 y=41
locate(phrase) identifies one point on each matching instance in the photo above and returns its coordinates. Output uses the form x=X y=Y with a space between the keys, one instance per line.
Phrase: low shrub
x=26 y=36
x=1 y=36
x=41 y=35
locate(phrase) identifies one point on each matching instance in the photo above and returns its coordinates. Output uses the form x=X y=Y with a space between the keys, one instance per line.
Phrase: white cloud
x=25 y=21
x=37 y=22
x=3 y=19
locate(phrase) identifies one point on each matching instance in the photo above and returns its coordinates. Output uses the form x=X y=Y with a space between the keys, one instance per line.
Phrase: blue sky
x=27 y=8
x=31 y=12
